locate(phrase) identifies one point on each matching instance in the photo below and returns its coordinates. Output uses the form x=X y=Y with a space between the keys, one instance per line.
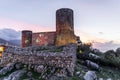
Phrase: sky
x=96 y=21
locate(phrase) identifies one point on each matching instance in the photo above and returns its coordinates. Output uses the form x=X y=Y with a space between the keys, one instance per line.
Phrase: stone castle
x=63 y=35
x=47 y=48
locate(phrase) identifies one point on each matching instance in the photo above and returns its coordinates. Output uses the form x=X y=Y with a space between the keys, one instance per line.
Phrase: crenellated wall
x=62 y=56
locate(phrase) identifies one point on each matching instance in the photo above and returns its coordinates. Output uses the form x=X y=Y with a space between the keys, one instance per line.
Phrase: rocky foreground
x=91 y=64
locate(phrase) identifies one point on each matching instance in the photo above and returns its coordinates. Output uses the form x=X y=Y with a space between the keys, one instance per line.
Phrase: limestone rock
x=92 y=65
x=6 y=69
x=109 y=79
x=40 y=68
x=94 y=56
x=16 y=75
x=77 y=73
x=29 y=74
x=90 y=75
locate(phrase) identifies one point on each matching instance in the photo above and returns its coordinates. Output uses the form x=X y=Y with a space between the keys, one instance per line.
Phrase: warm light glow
x=0 y=54
x=1 y=49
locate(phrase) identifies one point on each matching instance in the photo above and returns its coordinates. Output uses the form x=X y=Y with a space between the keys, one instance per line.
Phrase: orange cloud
x=85 y=37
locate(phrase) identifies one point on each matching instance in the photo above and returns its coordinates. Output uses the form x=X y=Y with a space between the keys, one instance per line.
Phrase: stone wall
x=62 y=57
x=63 y=35
x=43 y=38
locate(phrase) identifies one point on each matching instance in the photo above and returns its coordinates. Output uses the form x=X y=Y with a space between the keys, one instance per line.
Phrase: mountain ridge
x=11 y=42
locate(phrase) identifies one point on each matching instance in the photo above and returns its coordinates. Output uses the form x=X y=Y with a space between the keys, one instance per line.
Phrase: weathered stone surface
x=6 y=69
x=63 y=35
x=94 y=56
x=26 y=38
x=109 y=79
x=100 y=79
x=29 y=74
x=64 y=27
x=43 y=38
x=77 y=73
x=90 y=75
x=92 y=65
x=16 y=75
x=40 y=68
x=61 y=73
x=63 y=57
x=18 y=65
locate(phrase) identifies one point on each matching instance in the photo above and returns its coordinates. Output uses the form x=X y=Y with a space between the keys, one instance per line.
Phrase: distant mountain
x=12 y=42
x=17 y=42
x=4 y=41
x=10 y=34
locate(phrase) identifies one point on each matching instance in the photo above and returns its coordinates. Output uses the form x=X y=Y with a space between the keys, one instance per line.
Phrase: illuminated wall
x=43 y=38
x=64 y=27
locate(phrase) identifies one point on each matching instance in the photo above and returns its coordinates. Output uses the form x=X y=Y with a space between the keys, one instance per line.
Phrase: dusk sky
x=94 y=20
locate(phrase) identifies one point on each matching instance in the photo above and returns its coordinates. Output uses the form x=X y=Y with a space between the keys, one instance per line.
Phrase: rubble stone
x=16 y=75
x=92 y=65
x=6 y=69
x=90 y=75
x=63 y=56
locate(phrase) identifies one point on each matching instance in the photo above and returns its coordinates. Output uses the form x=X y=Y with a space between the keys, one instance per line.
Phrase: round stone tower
x=64 y=27
x=26 y=38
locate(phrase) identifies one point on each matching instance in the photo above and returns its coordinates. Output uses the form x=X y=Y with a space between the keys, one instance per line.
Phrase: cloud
x=10 y=34
x=87 y=37
x=106 y=45
x=100 y=43
x=101 y=33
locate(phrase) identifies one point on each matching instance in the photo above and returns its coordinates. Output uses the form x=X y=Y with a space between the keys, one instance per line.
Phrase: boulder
x=7 y=69
x=40 y=68
x=94 y=56
x=90 y=75
x=77 y=73
x=29 y=74
x=16 y=75
x=109 y=79
x=118 y=50
x=92 y=65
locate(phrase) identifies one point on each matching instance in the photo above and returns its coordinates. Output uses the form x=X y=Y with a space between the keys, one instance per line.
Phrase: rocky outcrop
x=92 y=65
x=15 y=75
x=7 y=69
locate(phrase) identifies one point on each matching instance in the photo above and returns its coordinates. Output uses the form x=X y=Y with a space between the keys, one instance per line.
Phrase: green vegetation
x=48 y=49
x=109 y=62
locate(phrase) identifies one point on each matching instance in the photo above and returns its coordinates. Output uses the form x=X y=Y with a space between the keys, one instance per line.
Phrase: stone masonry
x=62 y=56
x=63 y=35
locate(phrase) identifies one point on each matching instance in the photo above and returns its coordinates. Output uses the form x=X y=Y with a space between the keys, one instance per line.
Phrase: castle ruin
x=63 y=35
x=47 y=48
